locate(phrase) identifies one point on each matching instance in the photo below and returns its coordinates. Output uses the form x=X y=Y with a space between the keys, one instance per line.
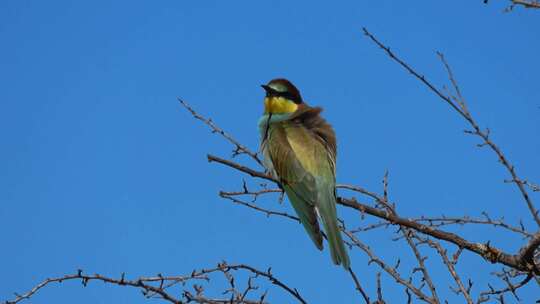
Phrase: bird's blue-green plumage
x=299 y=149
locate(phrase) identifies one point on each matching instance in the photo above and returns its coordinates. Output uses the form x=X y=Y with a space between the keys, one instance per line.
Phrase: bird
x=299 y=150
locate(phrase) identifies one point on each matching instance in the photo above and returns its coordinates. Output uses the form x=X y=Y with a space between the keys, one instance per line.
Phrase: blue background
x=101 y=168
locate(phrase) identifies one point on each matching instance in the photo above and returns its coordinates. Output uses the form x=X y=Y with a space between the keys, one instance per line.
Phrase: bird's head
x=282 y=97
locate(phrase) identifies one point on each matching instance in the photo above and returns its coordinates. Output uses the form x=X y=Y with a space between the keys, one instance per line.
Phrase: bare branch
x=526 y=3
x=358 y=286
x=380 y=299
x=511 y=288
x=158 y=285
x=268 y=274
x=526 y=254
x=239 y=148
x=445 y=221
x=141 y=283
x=408 y=234
x=253 y=173
x=534 y=187
x=450 y=265
x=390 y=270
x=487 y=251
x=459 y=106
x=230 y=196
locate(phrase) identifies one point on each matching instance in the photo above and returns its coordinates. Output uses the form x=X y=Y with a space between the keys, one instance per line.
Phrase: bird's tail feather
x=307 y=216
x=327 y=210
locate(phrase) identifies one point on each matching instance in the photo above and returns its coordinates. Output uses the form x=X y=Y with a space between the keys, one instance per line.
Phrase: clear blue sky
x=101 y=169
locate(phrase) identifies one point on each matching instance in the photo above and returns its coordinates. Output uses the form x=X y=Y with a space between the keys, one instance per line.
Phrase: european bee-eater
x=299 y=149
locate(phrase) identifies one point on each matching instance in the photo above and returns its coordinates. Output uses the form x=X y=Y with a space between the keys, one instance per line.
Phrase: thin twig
x=390 y=270
x=409 y=234
x=253 y=173
x=511 y=287
x=487 y=251
x=358 y=286
x=139 y=283
x=445 y=221
x=239 y=148
x=161 y=283
x=452 y=270
x=268 y=274
x=462 y=110
x=380 y=299
x=527 y=3
x=230 y=196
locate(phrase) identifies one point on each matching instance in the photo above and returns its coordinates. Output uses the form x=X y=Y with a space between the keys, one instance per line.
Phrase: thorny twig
x=487 y=251
x=447 y=221
x=239 y=148
x=523 y=3
x=388 y=269
x=359 y=286
x=159 y=285
x=380 y=299
x=408 y=234
x=451 y=268
x=231 y=196
x=512 y=288
x=458 y=104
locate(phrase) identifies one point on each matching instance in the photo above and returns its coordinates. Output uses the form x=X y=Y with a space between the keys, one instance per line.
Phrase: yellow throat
x=279 y=105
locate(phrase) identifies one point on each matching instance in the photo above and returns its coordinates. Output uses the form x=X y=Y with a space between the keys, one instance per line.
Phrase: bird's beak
x=267 y=88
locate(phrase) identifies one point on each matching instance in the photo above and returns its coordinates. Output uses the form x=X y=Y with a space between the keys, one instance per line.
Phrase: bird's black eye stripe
x=286 y=95
x=291 y=96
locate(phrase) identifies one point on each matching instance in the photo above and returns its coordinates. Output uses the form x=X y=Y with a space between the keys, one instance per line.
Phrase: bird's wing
x=299 y=184
x=317 y=161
